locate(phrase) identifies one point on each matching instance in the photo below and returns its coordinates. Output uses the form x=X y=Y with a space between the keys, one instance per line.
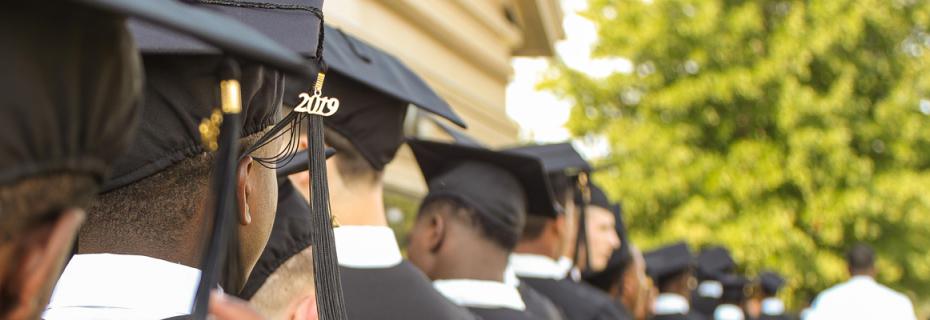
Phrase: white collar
x=480 y=293
x=115 y=286
x=536 y=266
x=366 y=247
x=510 y=277
x=772 y=306
x=728 y=312
x=710 y=289
x=671 y=303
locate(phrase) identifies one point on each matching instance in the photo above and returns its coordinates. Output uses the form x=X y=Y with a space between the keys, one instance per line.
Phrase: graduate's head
x=552 y=236
x=602 y=236
x=861 y=260
x=475 y=210
x=70 y=88
x=670 y=268
x=156 y=201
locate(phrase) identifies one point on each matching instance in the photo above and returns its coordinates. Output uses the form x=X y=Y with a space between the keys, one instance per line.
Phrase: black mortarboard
x=668 y=261
x=457 y=135
x=714 y=261
x=598 y=197
x=770 y=282
x=481 y=187
x=734 y=287
x=170 y=26
x=70 y=88
x=374 y=89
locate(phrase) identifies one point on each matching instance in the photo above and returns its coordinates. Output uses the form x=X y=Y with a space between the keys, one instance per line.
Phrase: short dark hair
x=506 y=239
x=353 y=167
x=158 y=208
x=31 y=201
x=860 y=257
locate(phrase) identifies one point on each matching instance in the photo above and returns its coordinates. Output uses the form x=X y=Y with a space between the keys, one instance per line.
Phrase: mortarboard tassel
x=581 y=239
x=224 y=181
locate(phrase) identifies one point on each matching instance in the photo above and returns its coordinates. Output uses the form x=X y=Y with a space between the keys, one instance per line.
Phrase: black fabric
x=486 y=190
x=173 y=27
x=770 y=282
x=373 y=70
x=734 y=288
x=180 y=91
x=713 y=261
x=71 y=83
x=689 y=316
x=502 y=314
x=668 y=260
x=624 y=311
x=457 y=135
x=578 y=301
x=556 y=157
x=399 y=292
x=775 y=317
x=289 y=236
x=704 y=306
x=538 y=305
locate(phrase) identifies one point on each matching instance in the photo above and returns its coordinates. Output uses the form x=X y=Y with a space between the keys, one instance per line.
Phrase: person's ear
x=437 y=234
x=243 y=190
x=44 y=251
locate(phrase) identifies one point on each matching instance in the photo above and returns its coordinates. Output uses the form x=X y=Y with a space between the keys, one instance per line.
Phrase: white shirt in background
x=861 y=298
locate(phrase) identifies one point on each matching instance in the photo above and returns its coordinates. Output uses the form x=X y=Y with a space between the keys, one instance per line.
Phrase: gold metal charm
x=210 y=130
x=230 y=96
x=583 y=187
x=318 y=104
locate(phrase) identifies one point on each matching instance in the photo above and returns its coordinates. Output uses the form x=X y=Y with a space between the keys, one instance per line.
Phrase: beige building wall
x=462 y=49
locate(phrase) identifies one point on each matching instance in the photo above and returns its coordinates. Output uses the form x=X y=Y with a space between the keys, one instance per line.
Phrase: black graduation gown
x=502 y=314
x=399 y=292
x=538 y=305
x=578 y=301
x=775 y=317
x=678 y=316
x=704 y=305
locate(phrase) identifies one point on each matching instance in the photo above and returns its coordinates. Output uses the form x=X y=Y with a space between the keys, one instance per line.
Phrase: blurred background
x=784 y=130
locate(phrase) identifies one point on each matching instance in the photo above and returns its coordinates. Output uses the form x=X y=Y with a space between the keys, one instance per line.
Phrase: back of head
x=70 y=83
x=861 y=259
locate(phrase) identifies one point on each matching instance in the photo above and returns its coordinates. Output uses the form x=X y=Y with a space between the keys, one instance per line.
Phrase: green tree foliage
x=786 y=130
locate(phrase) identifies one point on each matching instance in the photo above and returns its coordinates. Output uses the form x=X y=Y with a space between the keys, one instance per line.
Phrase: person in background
x=712 y=263
x=470 y=220
x=69 y=98
x=670 y=267
x=770 y=307
x=732 y=299
x=861 y=297
x=602 y=235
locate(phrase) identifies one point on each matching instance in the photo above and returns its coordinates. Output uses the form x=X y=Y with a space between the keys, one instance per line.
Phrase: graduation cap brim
x=556 y=157
x=457 y=135
x=381 y=71
x=300 y=162
x=174 y=27
x=715 y=260
x=435 y=158
x=668 y=260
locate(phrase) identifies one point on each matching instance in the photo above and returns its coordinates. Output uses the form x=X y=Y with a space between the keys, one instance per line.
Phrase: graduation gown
x=502 y=314
x=538 y=305
x=578 y=301
x=704 y=306
x=398 y=292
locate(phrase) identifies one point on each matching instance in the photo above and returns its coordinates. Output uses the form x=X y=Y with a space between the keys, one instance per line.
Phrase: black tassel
x=330 y=303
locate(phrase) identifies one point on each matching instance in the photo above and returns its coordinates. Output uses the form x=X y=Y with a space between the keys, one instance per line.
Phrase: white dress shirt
x=861 y=298
x=366 y=247
x=114 y=286
x=480 y=294
x=728 y=312
x=671 y=303
x=536 y=266
x=773 y=307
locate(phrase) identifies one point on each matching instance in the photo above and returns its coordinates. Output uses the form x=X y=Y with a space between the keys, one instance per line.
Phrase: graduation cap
x=668 y=261
x=565 y=165
x=499 y=185
x=70 y=90
x=714 y=261
x=734 y=287
x=457 y=135
x=770 y=282
x=375 y=89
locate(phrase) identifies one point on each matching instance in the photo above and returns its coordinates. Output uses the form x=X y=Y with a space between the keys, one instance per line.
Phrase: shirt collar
x=480 y=294
x=671 y=303
x=132 y=286
x=536 y=266
x=773 y=306
x=710 y=289
x=366 y=247
x=728 y=312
